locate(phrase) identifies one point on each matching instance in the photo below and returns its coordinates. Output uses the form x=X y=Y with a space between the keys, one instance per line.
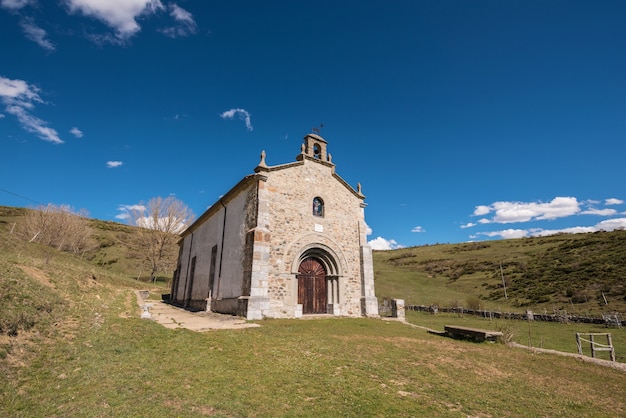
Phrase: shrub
x=473 y=303
x=508 y=332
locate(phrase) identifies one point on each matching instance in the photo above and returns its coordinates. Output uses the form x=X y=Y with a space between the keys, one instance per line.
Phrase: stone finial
x=302 y=149
x=358 y=188
x=262 y=163
x=330 y=158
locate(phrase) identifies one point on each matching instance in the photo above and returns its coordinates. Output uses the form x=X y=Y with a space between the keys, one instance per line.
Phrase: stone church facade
x=287 y=241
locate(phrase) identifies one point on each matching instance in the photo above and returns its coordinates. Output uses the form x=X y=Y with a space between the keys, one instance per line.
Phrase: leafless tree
x=59 y=226
x=159 y=223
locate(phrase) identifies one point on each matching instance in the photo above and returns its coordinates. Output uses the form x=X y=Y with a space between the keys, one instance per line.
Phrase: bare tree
x=160 y=223
x=60 y=227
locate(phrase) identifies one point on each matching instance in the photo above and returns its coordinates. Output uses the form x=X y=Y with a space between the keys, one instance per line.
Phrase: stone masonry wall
x=291 y=191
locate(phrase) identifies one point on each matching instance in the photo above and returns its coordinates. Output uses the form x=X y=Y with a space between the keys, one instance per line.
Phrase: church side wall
x=230 y=279
x=225 y=230
x=293 y=226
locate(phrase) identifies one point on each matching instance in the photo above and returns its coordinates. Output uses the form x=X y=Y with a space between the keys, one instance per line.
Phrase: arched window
x=318 y=207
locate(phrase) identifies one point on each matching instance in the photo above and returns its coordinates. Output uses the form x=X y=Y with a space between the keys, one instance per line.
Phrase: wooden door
x=312 y=286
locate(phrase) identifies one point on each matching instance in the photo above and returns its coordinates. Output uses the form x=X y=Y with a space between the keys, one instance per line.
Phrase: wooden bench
x=474 y=334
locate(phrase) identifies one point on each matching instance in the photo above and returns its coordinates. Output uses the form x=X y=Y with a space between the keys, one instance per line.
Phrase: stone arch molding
x=320 y=247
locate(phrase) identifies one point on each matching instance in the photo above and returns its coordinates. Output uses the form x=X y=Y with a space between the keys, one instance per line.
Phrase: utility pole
x=503 y=282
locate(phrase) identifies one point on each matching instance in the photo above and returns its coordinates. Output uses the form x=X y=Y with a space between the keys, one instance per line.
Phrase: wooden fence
x=560 y=316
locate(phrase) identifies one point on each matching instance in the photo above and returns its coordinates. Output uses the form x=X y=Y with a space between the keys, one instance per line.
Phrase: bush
x=507 y=330
x=473 y=303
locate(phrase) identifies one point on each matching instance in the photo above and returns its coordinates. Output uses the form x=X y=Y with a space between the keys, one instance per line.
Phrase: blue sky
x=462 y=120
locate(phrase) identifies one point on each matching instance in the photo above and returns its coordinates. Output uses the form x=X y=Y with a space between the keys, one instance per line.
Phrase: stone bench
x=474 y=334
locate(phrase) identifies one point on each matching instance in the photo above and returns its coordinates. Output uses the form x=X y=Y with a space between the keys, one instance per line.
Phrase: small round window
x=318 y=207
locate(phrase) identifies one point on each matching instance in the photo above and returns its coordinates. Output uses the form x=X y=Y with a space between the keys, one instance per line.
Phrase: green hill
x=581 y=273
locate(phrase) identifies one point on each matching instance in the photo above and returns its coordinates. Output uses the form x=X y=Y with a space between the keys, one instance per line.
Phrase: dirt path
x=172 y=317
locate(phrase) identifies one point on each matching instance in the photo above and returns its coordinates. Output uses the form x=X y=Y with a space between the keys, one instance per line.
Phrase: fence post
x=609 y=341
x=593 y=350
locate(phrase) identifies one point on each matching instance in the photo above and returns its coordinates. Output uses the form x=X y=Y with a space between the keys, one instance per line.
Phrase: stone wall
x=287 y=209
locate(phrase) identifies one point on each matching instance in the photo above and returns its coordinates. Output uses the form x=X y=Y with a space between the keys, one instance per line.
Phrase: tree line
x=156 y=228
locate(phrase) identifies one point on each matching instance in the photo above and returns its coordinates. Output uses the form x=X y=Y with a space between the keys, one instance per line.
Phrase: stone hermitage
x=285 y=242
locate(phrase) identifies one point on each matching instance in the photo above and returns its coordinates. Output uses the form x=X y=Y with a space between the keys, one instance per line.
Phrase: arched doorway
x=312 y=293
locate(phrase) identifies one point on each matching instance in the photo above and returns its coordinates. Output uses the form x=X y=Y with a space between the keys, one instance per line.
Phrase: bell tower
x=314 y=147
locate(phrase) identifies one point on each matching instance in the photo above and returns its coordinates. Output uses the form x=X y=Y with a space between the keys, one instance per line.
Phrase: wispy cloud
x=36 y=34
x=505 y=234
x=599 y=212
x=19 y=99
x=606 y=225
x=76 y=132
x=242 y=114
x=122 y=17
x=119 y=15
x=114 y=164
x=185 y=23
x=126 y=210
x=418 y=229
x=15 y=4
x=613 y=201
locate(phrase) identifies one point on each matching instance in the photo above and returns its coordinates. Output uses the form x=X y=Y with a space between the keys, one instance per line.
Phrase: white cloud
x=15 y=4
x=600 y=212
x=611 y=224
x=572 y=230
x=186 y=25
x=482 y=210
x=418 y=229
x=137 y=213
x=76 y=132
x=36 y=34
x=468 y=225
x=19 y=99
x=241 y=113
x=613 y=201
x=606 y=225
x=19 y=90
x=123 y=17
x=114 y=164
x=125 y=211
x=1 y=116
x=136 y=207
x=510 y=212
x=120 y=15
x=506 y=234
x=381 y=243
x=162 y=224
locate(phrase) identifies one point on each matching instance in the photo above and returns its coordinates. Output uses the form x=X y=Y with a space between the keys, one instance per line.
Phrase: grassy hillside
x=72 y=344
x=582 y=273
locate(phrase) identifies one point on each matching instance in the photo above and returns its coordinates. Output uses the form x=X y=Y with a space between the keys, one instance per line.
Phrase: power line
x=22 y=197
x=54 y=207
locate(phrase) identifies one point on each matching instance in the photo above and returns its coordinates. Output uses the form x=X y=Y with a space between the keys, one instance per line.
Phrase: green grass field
x=109 y=364
x=536 y=334
x=72 y=344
